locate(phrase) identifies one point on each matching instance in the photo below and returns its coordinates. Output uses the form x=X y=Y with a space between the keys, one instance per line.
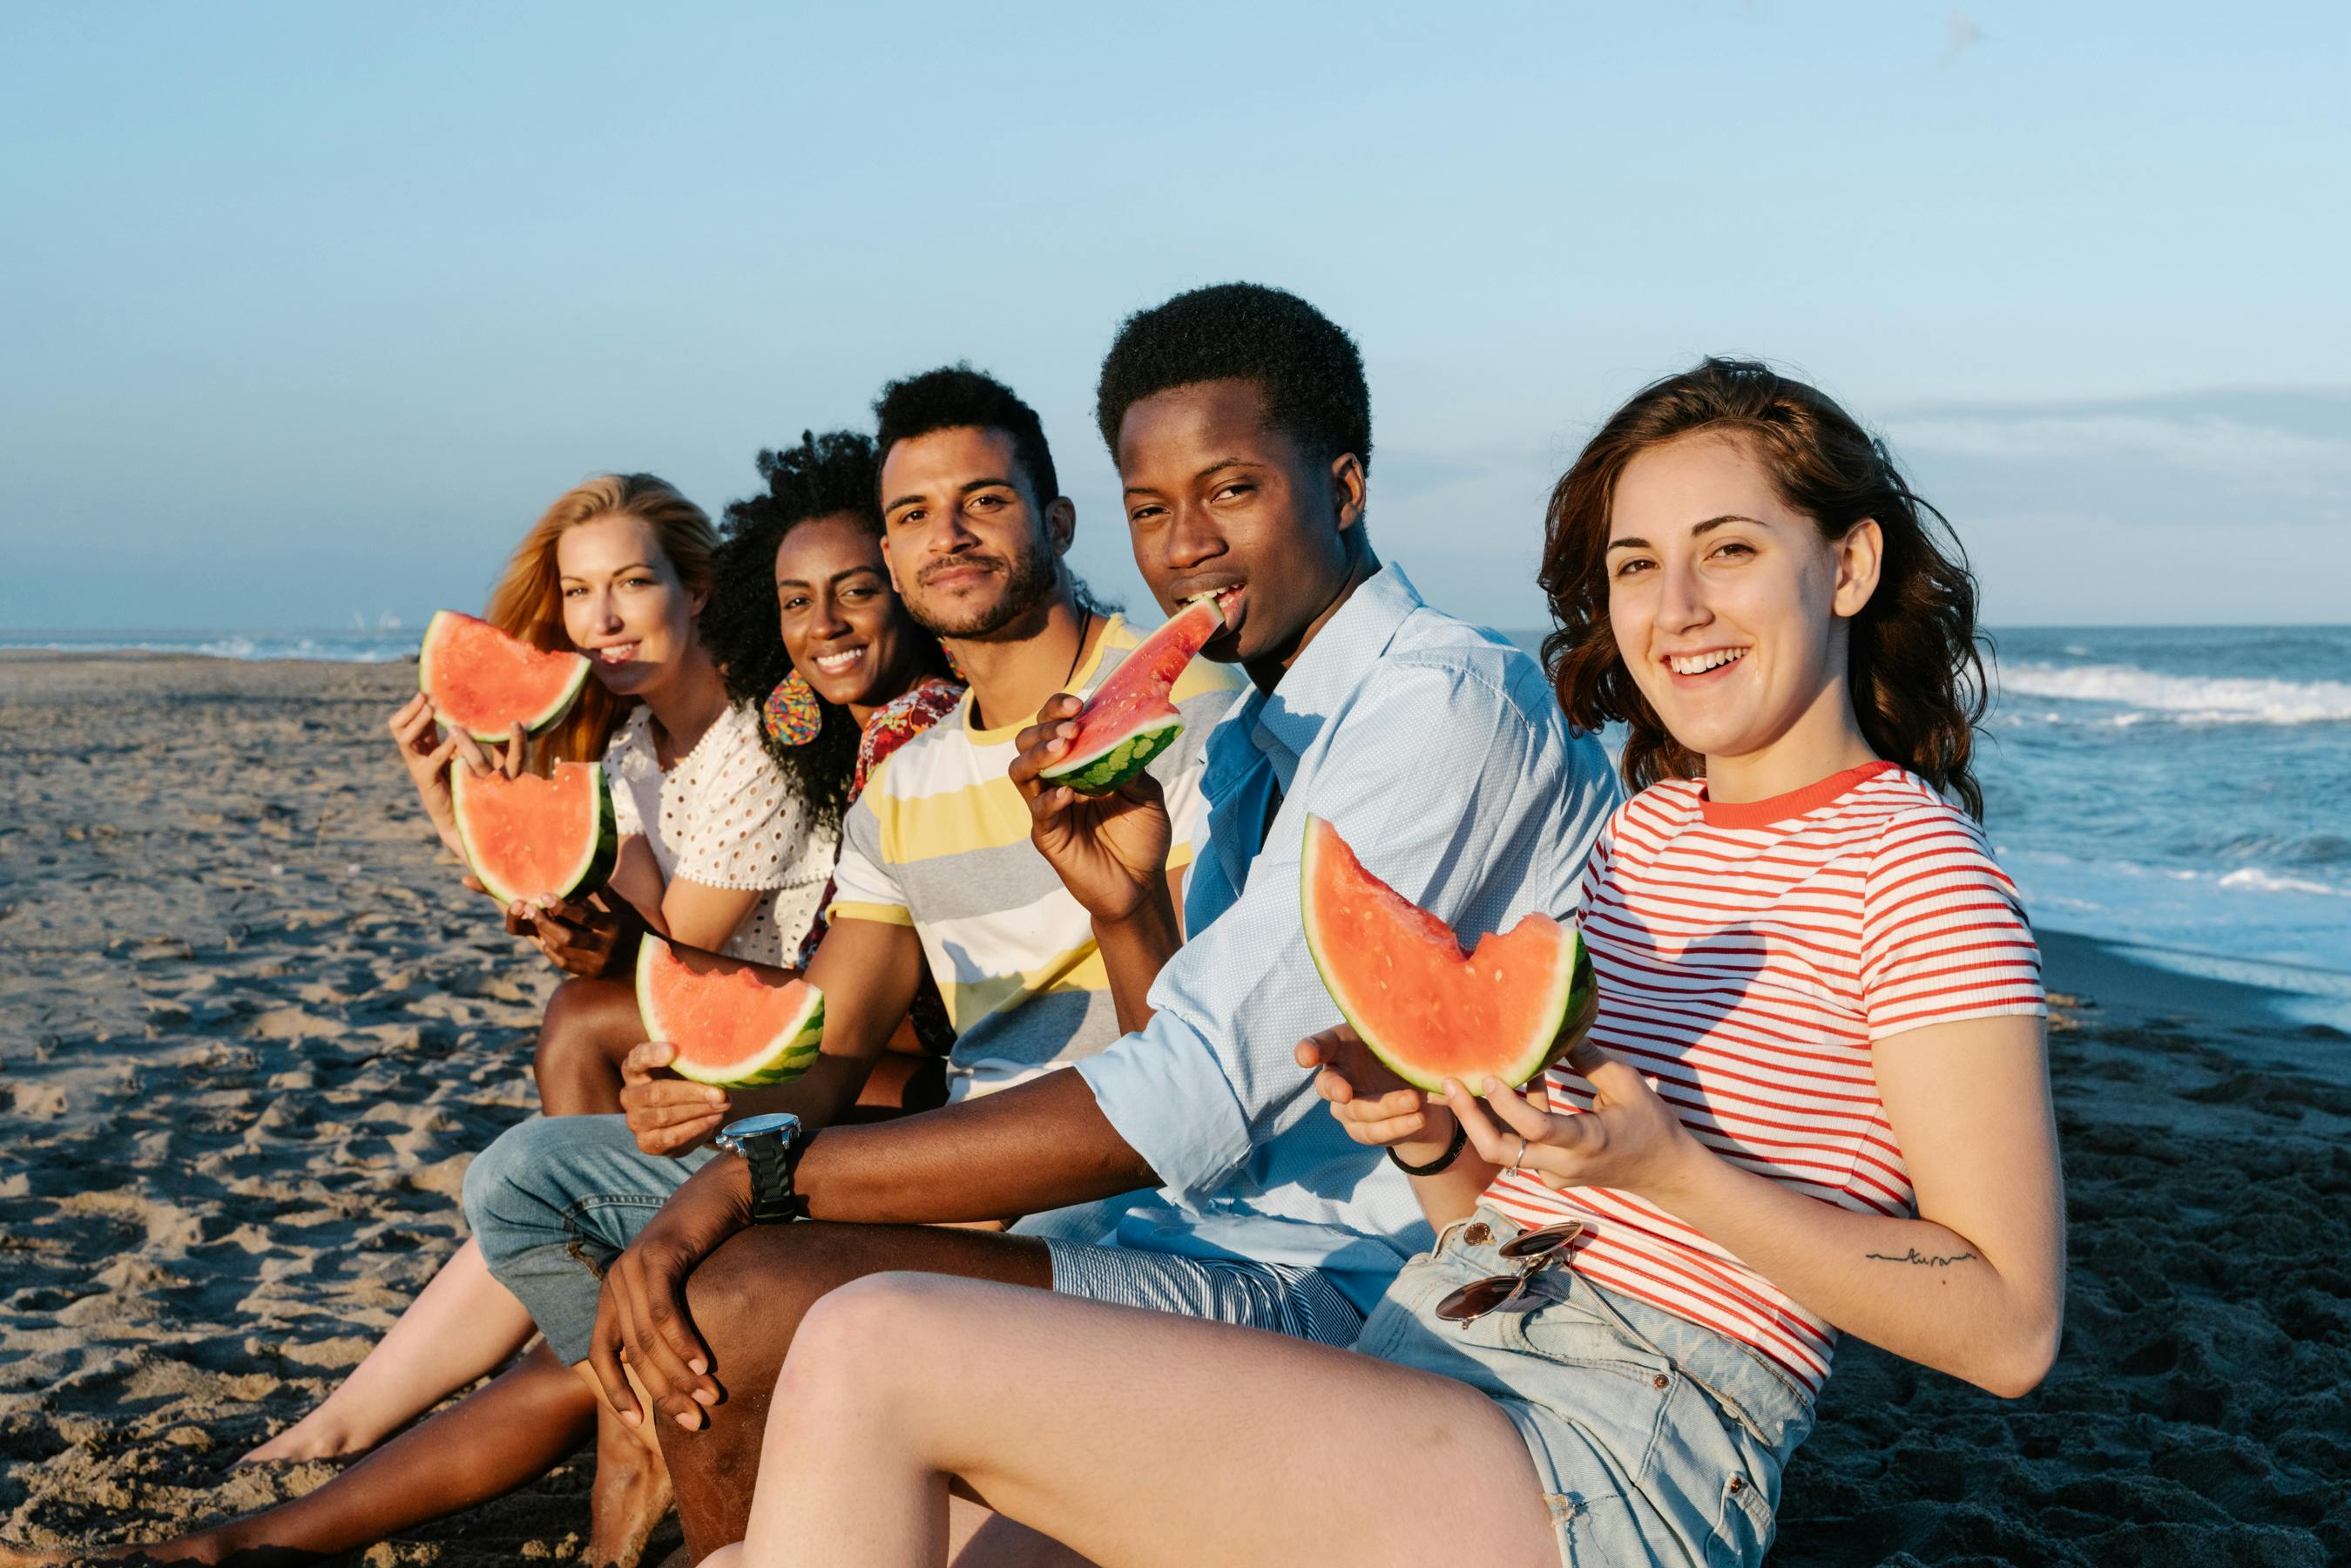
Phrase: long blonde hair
x=527 y=601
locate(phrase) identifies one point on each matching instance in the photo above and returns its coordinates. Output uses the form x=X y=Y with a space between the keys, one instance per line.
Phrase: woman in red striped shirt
x=1813 y=1101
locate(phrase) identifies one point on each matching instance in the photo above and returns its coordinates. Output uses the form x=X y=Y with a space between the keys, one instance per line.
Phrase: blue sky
x=306 y=311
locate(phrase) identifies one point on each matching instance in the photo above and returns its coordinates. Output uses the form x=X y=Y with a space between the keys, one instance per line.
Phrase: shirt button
x=1737 y=1485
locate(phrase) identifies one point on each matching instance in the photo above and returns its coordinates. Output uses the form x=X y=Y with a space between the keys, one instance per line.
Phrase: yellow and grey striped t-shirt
x=939 y=840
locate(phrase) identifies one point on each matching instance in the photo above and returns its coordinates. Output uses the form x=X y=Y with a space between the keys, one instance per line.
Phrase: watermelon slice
x=733 y=1023
x=529 y=837
x=485 y=683
x=1425 y=1008
x=1129 y=720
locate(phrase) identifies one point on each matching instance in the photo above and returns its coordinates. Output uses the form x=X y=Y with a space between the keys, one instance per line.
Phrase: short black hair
x=955 y=397
x=1308 y=368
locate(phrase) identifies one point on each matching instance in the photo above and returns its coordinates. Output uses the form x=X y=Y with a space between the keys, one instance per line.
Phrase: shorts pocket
x=1585 y=1371
x=1743 y=1525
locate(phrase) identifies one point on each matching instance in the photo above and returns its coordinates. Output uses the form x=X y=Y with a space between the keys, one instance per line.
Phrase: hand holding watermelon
x=667 y=1113
x=1109 y=849
x=1375 y=1106
x=426 y=752
x=1630 y=1140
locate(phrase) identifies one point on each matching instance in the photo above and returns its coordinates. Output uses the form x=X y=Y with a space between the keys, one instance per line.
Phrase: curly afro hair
x=955 y=397
x=823 y=477
x=1307 y=366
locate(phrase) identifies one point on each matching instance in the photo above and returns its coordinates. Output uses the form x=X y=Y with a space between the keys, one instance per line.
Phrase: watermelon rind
x=593 y=867
x=546 y=719
x=1113 y=765
x=791 y=1053
x=1571 y=999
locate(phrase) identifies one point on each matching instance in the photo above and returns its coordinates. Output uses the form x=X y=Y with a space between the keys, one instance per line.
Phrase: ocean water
x=367 y=645
x=2183 y=793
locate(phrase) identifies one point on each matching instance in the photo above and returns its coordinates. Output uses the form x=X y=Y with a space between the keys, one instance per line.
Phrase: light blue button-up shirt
x=1438 y=752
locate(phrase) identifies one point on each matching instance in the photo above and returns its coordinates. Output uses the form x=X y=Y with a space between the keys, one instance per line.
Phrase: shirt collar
x=1283 y=723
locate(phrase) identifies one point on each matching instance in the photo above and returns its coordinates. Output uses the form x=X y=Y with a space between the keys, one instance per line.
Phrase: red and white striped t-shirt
x=1748 y=956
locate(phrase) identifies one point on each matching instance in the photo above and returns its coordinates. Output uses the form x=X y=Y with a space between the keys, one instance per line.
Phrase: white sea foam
x=383 y=647
x=2183 y=699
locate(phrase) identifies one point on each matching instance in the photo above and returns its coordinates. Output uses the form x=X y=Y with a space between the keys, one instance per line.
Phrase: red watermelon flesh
x=1129 y=719
x=732 y=1022
x=485 y=683
x=531 y=837
x=1426 y=1008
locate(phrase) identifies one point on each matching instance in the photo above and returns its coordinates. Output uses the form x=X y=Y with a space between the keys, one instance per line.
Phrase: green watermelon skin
x=1114 y=767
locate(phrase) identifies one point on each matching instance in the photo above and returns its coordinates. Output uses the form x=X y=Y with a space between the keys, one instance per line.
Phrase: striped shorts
x=1280 y=1297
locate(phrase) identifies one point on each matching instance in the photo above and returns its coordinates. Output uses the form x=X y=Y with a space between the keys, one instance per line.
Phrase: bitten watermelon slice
x=1129 y=720
x=530 y=836
x=733 y=1023
x=485 y=683
x=1425 y=1008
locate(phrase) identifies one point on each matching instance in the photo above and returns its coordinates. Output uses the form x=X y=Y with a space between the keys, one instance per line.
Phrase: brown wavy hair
x=1913 y=663
x=527 y=601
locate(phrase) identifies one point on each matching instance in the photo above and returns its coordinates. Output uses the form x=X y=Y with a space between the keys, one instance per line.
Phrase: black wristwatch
x=771 y=1146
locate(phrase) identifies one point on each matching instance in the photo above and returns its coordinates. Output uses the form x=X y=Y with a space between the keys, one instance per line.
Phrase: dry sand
x=251 y=1030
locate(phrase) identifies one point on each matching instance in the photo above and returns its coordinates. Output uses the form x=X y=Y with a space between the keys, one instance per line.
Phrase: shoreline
x=252 y=1032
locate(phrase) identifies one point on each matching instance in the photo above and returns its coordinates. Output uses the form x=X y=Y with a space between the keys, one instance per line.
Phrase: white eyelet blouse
x=725 y=817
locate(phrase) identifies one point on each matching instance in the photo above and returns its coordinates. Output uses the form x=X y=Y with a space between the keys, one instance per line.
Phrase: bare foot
x=317 y=1436
x=631 y=1497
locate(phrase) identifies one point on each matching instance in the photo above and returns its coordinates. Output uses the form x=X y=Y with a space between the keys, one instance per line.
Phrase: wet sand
x=250 y=1031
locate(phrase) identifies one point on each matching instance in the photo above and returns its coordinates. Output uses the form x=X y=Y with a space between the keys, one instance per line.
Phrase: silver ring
x=1519 y=1155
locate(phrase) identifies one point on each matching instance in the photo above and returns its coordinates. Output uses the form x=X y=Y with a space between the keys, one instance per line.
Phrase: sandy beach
x=250 y=1031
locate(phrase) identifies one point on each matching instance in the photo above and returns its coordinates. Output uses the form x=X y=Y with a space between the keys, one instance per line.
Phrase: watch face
x=773 y=1121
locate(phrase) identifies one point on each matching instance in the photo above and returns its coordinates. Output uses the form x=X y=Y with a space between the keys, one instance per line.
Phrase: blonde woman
x=718 y=850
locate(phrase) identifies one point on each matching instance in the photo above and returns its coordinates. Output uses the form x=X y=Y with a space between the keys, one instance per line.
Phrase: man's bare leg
x=747 y=1301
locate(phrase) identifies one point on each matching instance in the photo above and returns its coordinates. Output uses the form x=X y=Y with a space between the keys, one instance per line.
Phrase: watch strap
x=771 y=1160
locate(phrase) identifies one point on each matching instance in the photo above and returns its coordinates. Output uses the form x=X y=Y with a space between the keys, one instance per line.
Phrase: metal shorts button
x=1478 y=1233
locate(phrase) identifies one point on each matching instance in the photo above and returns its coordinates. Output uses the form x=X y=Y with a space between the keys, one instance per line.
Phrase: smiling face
x=1219 y=501
x=1730 y=611
x=623 y=605
x=971 y=552
x=847 y=634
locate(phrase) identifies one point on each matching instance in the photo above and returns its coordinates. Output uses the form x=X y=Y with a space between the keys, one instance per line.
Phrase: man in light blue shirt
x=1241 y=427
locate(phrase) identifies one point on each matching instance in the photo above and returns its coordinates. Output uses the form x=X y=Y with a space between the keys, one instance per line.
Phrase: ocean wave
x=2182 y=699
x=330 y=649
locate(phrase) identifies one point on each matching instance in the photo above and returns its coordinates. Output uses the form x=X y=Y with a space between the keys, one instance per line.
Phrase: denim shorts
x=1657 y=1441
x=555 y=1199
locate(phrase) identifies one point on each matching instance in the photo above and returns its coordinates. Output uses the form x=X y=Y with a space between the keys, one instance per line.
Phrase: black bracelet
x=1452 y=1152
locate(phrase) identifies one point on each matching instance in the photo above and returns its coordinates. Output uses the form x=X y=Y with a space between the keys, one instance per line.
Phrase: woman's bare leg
x=463 y=1326
x=632 y=1492
x=1134 y=1438
x=590 y=1025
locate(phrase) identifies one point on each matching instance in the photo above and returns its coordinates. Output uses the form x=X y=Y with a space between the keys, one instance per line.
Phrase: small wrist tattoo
x=1917 y=1257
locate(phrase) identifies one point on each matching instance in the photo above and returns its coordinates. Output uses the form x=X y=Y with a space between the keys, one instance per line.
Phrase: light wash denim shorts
x=557 y=1198
x=1657 y=1441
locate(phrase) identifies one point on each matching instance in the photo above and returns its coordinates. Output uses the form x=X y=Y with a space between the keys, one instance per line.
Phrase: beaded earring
x=791 y=714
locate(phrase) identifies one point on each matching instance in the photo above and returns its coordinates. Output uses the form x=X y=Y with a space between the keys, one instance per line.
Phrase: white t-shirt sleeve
x=624 y=755
x=863 y=887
